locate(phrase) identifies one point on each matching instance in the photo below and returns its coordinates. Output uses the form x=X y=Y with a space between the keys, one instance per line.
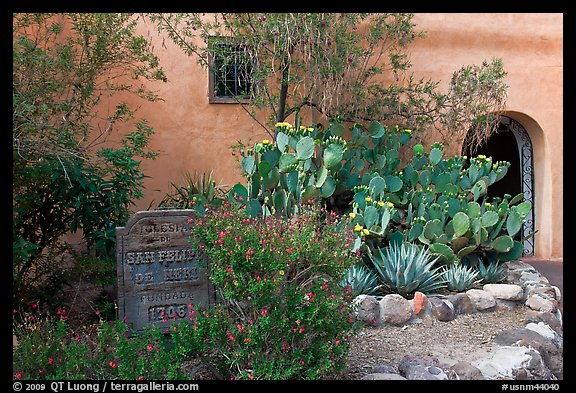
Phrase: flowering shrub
x=281 y=312
x=49 y=348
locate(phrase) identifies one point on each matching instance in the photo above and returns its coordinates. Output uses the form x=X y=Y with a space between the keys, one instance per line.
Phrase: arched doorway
x=512 y=143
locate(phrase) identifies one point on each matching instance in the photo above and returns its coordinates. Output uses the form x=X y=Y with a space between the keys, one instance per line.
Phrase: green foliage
x=282 y=312
x=335 y=64
x=441 y=202
x=491 y=273
x=460 y=278
x=197 y=191
x=49 y=348
x=360 y=280
x=406 y=268
x=63 y=66
x=428 y=198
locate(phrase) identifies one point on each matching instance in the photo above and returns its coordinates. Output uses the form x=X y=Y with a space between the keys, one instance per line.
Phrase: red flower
x=113 y=364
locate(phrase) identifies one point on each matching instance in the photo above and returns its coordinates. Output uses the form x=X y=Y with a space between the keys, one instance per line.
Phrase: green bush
x=65 y=70
x=49 y=348
x=282 y=313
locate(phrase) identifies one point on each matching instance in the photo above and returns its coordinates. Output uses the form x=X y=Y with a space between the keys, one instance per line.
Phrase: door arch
x=512 y=143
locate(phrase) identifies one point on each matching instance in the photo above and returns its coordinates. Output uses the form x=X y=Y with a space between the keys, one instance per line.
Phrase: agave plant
x=492 y=273
x=405 y=268
x=361 y=281
x=184 y=196
x=460 y=278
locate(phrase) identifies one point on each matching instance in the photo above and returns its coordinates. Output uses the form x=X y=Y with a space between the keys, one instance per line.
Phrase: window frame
x=212 y=97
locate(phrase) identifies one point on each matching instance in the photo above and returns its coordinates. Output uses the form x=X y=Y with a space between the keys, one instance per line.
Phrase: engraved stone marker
x=161 y=278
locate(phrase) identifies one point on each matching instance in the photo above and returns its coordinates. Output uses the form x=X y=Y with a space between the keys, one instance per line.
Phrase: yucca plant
x=460 y=278
x=406 y=268
x=492 y=273
x=361 y=281
x=200 y=188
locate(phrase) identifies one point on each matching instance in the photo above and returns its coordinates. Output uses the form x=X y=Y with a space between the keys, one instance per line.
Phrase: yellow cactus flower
x=380 y=203
x=367 y=199
x=310 y=129
x=352 y=216
x=358 y=228
x=408 y=131
x=365 y=231
x=266 y=142
x=390 y=205
x=281 y=272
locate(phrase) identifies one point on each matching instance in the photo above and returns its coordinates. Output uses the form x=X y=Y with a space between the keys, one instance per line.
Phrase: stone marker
x=161 y=278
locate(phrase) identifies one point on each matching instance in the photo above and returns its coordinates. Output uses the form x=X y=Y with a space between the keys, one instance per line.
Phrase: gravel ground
x=467 y=338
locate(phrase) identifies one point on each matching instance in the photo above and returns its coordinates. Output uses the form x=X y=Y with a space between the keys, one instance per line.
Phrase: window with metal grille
x=230 y=72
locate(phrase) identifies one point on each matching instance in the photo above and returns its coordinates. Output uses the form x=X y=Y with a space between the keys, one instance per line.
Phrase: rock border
x=530 y=352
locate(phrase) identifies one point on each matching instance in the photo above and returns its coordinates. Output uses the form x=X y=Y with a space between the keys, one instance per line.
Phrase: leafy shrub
x=282 y=313
x=405 y=268
x=49 y=348
x=63 y=179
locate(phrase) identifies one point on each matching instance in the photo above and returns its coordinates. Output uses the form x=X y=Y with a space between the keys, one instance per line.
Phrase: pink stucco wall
x=193 y=135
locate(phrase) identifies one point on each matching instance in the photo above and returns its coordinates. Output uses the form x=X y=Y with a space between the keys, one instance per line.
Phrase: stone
x=517 y=335
x=385 y=368
x=161 y=278
x=419 y=372
x=557 y=292
x=466 y=371
x=529 y=276
x=506 y=305
x=481 y=299
x=367 y=310
x=507 y=361
x=419 y=302
x=505 y=291
x=396 y=309
x=408 y=361
x=544 y=330
x=546 y=291
x=462 y=303
x=548 y=318
x=383 y=377
x=549 y=350
x=540 y=303
x=515 y=269
x=442 y=309
x=424 y=368
x=516 y=265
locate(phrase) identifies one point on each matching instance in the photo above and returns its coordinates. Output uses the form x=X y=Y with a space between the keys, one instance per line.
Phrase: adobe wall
x=193 y=135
